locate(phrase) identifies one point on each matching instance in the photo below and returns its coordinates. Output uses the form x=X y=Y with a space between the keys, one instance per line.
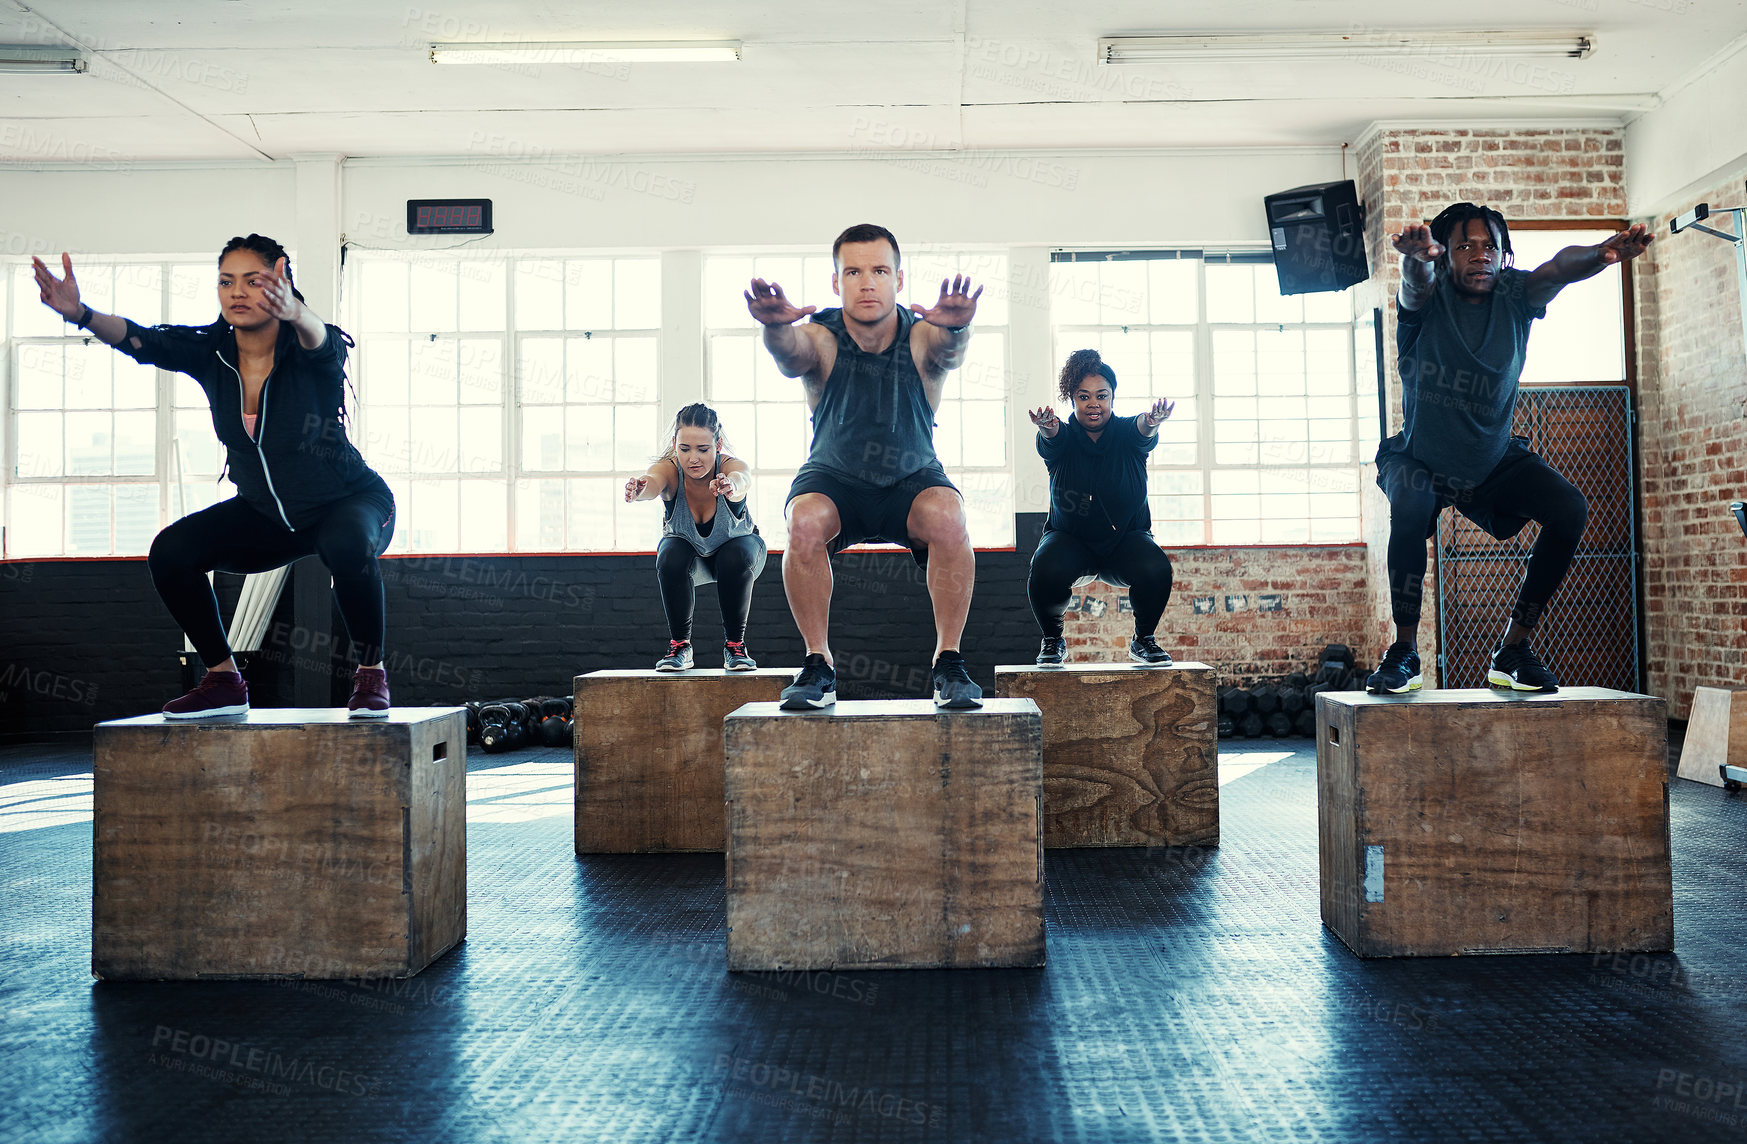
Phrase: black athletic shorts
x=1396 y=471
x=871 y=513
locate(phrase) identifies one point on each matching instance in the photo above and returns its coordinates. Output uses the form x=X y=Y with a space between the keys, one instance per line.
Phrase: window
x=765 y=416
x=503 y=398
x=92 y=466
x=1263 y=445
x=1583 y=337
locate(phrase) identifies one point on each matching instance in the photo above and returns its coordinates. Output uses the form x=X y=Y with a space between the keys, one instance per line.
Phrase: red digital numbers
x=458 y=216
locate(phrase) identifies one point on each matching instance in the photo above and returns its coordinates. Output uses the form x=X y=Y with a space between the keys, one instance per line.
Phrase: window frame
x=1206 y=398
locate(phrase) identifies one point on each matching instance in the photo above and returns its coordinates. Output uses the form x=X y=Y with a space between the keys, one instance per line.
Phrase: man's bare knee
x=812 y=524
x=939 y=522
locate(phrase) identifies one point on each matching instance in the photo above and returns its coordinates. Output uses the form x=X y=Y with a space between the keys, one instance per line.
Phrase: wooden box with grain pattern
x=885 y=835
x=281 y=843
x=1130 y=752
x=1479 y=821
x=649 y=756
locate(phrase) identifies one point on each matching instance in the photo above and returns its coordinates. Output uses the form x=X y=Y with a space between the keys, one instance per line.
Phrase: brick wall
x=1250 y=613
x=1408 y=176
x=1692 y=382
x=88 y=640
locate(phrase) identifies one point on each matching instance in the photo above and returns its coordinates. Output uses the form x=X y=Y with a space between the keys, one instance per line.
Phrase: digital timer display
x=448 y=216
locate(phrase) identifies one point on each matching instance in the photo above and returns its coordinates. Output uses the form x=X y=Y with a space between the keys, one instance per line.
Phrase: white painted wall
x=1698 y=135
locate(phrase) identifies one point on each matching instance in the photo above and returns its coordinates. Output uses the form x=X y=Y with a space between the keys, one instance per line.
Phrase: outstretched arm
x=62 y=296
x=734 y=481
x=278 y=300
x=792 y=347
x=1419 y=256
x=947 y=324
x=1575 y=263
x=1148 y=423
x=649 y=485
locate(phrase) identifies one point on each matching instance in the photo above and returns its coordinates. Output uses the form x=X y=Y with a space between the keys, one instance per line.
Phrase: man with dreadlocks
x=1462 y=327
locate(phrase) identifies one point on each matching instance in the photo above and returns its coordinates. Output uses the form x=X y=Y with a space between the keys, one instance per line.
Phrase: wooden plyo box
x=885 y=835
x=649 y=756
x=281 y=843
x=1479 y=821
x=1716 y=733
x=1130 y=753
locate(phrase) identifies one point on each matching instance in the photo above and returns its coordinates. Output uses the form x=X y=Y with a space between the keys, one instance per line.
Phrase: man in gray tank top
x=1462 y=328
x=873 y=373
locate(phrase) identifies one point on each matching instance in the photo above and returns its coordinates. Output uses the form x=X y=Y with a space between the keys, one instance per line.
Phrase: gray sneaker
x=736 y=658
x=678 y=657
x=1146 y=649
x=953 y=688
x=814 y=687
x=1053 y=651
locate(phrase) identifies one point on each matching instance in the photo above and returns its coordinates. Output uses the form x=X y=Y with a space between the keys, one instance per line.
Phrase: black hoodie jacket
x=299 y=462
x=1097 y=489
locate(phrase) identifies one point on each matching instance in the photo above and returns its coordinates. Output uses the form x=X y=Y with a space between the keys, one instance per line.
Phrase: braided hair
x=1079 y=364
x=697 y=416
x=1454 y=219
x=270 y=252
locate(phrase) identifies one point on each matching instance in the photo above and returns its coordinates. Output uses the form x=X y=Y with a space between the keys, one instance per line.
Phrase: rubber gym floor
x=1189 y=996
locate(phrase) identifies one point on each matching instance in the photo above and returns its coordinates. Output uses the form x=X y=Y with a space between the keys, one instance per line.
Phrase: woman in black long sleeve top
x=1099 y=526
x=274 y=375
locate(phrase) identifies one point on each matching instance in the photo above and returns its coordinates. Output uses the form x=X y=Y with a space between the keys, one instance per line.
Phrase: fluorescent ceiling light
x=25 y=61
x=606 y=52
x=1338 y=45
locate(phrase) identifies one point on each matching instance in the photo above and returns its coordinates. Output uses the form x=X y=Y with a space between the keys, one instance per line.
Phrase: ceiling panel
x=211 y=79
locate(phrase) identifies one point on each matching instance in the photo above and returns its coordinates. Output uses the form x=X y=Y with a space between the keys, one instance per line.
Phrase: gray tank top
x=873 y=422
x=731 y=519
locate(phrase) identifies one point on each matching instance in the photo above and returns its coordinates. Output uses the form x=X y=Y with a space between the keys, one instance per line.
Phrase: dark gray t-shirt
x=873 y=423
x=1459 y=393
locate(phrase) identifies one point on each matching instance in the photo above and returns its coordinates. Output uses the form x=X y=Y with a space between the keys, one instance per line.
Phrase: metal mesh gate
x=1589 y=633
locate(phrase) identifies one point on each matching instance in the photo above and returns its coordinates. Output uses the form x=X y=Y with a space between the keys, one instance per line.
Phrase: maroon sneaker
x=369 y=694
x=217 y=693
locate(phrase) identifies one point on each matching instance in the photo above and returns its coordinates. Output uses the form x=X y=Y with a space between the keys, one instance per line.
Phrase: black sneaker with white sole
x=953 y=688
x=735 y=657
x=1517 y=667
x=1397 y=674
x=678 y=657
x=1146 y=649
x=1053 y=651
x=813 y=688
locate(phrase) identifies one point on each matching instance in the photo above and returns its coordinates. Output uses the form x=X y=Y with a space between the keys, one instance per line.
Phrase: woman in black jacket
x=1099 y=526
x=274 y=375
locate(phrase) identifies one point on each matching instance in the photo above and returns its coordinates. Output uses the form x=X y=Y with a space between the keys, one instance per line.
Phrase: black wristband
x=85 y=316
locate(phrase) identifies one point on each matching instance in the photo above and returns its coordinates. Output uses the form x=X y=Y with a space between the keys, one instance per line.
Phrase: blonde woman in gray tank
x=707 y=535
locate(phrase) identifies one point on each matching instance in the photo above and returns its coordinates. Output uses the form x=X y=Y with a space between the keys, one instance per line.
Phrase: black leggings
x=232 y=537
x=1530 y=489
x=1136 y=563
x=733 y=567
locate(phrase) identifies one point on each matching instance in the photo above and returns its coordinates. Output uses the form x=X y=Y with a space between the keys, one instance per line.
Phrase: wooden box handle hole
x=440 y=751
